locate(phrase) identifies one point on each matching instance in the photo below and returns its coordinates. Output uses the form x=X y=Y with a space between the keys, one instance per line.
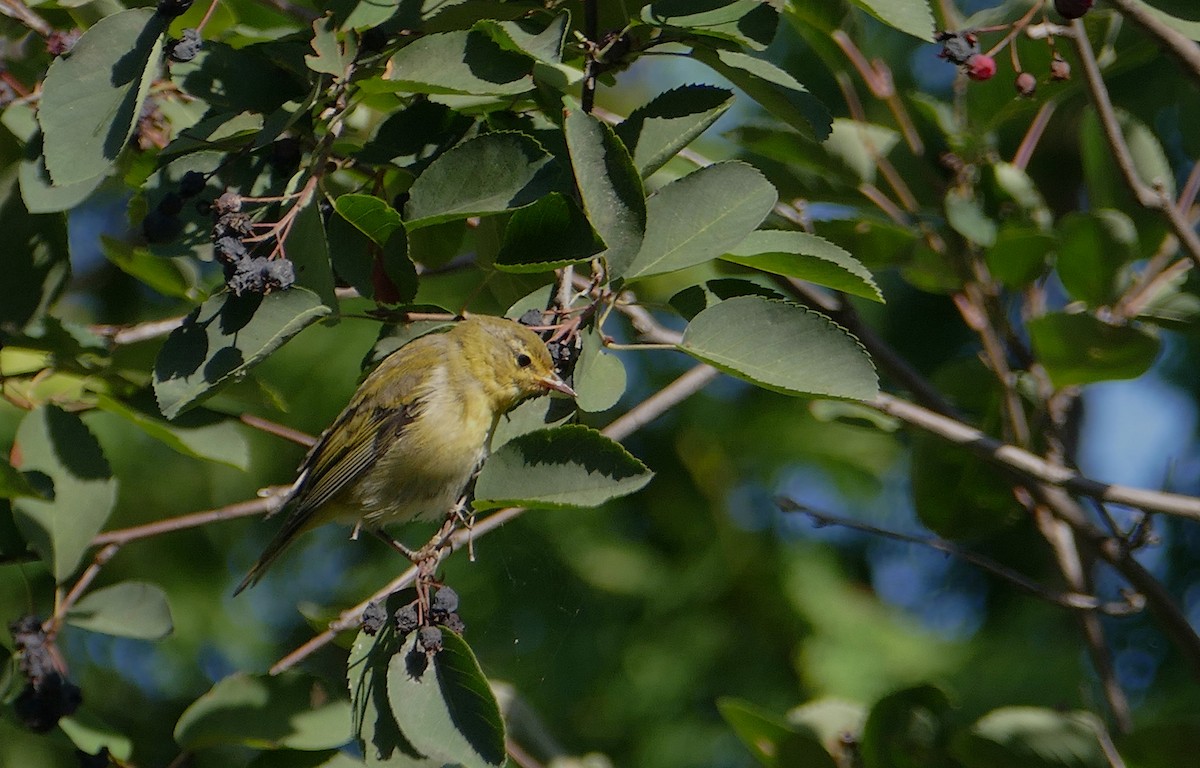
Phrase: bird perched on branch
x=407 y=444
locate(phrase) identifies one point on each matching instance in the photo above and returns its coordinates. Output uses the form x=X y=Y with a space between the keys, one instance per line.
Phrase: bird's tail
x=293 y=527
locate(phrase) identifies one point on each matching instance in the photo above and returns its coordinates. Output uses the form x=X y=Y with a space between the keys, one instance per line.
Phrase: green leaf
x=836 y=724
x=559 y=468
x=782 y=347
x=40 y=194
x=487 y=174
x=128 y=609
x=907 y=729
x=1166 y=742
x=599 y=377
x=223 y=339
x=530 y=416
x=91 y=734
x=539 y=41
x=701 y=216
x=1032 y=737
x=655 y=132
x=198 y=434
x=609 y=186
x=966 y=217
x=308 y=249
x=860 y=145
x=462 y=61
x=551 y=233
x=35 y=260
x=1092 y=250
x=62 y=459
x=161 y=274
x=92 y=97
x=911 y=16
x=374 y=727
x=1180 y=15
x=372 y=216
x=265 y=712
x=329 y=59
x=1019 y=254
x=771 y=739
x=776 y=90
x=13 y=484
x=751 y=23
x=1081 y=349
x=443 y=704
x=694 y=299
x=807 y=257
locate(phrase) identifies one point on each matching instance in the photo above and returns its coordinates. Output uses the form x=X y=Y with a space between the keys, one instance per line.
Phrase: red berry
x=1059 y=68
x=981 y=67
x=1073 y=9
x=1026 y=84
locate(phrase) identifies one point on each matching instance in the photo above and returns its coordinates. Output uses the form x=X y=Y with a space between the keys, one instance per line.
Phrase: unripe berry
x=1059 y=68
x=1073 y=9
x=981 y=67
x=1026 y=84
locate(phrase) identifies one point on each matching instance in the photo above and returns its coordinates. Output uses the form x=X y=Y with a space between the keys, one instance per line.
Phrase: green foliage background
x=693 y=622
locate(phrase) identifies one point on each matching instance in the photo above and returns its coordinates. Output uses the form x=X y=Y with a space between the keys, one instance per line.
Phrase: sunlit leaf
x=1080 y=348
x=1032 y=737
x=128 y=609
x=807 y=257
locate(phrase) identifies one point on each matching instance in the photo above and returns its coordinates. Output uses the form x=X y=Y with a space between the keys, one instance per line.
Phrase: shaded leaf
x=443 y=705
x=656 y=131
x=1019 y=254
x=62 y=460
x=462 y=61
x=374 y=726
x=807 y=257
x=599 y=376
x=860 y=145
x=538 y=41
x=701 y=216
x=782 y=347
x=1093 y=248
x=551 y=233
x=161 y=274
x=370 y=215
x=35 y=259
x=200 y=435
x=967 y=217
x=128 y=609
x=1081 y=349
x=487 y=174
x=771 y=739
x=907 y=729
x=90 y=734
x=609 y=186
x=563 y=467
x=694 y=299
x=307 y=248
x=92 y=97
x=776 y=90
x=288 y=710
x=750 y=23
x=224 y=338
x=1032 y=737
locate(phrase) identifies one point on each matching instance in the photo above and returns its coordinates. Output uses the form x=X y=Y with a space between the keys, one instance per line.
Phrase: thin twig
x=193 y=520
x=1074 y=600
x=99 y=560
x=1180 y=46
x=279 y=430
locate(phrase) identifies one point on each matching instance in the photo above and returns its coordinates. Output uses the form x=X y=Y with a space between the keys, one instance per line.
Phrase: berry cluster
x=564 y=352
x=245 y=272
x=48 y=694
x=443 y=612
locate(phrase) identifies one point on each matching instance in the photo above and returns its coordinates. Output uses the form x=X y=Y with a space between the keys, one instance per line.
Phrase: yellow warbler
x=406 y=445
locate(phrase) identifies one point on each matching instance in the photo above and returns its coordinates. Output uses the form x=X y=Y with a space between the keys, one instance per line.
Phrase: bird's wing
x=366 y=432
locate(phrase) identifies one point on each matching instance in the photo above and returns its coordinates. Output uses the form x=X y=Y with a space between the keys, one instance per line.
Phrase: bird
x=414 y=432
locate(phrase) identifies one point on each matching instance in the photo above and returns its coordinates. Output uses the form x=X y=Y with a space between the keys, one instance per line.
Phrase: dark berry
x=248 y=276
x=452 y=622
x=185 y=48
x=980 y=67
x=60 y=43
x=1059 y=68
x=373 y=618
x=279 y=275
x=229 y=250
x=1026 y=84
x=171 y=8
x=445 y=601
x=159 y=227
x=430 y=639
x=407 y=619
x=373 y=40
x=957 y=47
x=1073 y=9
x=285 y=154
x=230 y=202
x=236 y=225
x=171 y=204
x=191 y=184
x=39 y=706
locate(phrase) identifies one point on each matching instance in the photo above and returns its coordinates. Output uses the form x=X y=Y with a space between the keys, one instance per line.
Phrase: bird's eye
x=524 y=360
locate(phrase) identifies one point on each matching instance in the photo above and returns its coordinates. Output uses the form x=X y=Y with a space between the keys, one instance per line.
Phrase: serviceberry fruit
x=171 y=8
x=1059 y=68
x=445 y=601
x=430 y=639
x=373 y=618
x=1026 y=84
x=407 y=619
x=452 y=622
x=1073 y=9
x=185 y=48
x=191 y=184
x=957 y=47
x=980 y=67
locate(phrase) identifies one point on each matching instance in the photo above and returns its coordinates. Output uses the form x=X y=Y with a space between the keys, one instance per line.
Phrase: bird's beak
x=558 y=385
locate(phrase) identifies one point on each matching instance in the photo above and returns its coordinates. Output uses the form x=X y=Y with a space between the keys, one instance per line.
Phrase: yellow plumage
x=406 y=445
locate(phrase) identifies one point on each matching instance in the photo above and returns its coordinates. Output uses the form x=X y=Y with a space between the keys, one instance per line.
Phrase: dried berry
x=60 y=43
x=430 y=639
x=191 y=184
x=171 y=8
x=40 y=706
x=373 y=618
x=1059 y=68
x=230 y=202
x=185 y=48
x=280 y=275
x=1026 y=84
x=237 y=225
x=1073 y=9
x=957 y=47
x=452 y=622
x=407 y=619
x=980 y=67
x=229 y=250
x=445 y=601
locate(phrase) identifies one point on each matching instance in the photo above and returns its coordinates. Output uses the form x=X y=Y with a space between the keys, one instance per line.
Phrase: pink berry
x=1026 y=84
x=981 y=67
